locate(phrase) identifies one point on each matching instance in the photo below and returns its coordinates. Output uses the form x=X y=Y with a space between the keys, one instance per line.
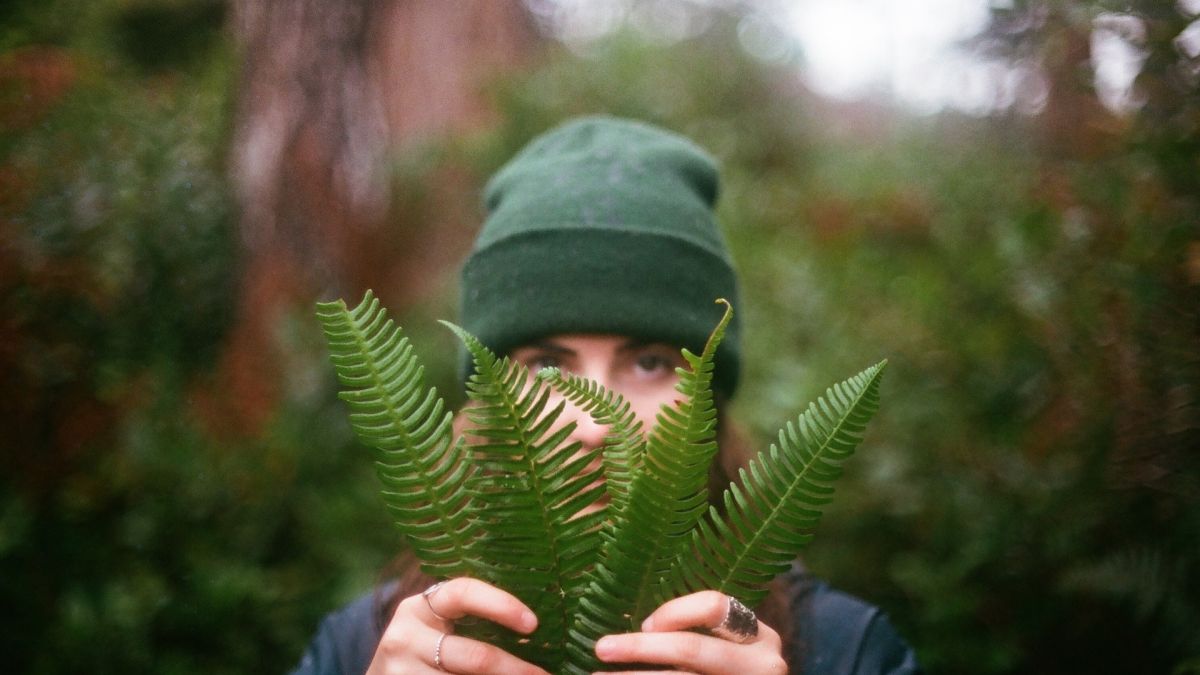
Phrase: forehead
x=584 y=344
x=584 y=341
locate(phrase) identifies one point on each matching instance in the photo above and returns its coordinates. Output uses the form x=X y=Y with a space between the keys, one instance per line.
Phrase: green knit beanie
x=603 y=226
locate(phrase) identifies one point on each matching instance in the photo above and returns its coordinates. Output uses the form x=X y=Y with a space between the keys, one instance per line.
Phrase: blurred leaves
x=1025 y=502
x=1026 y=276
x=135 y=536
x=158 y=36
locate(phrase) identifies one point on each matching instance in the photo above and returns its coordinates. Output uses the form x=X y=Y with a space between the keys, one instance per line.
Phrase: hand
x=666 y=639
x=420 y=639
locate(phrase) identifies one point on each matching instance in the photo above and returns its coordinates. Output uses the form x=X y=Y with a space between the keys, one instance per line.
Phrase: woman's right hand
x=413 y=641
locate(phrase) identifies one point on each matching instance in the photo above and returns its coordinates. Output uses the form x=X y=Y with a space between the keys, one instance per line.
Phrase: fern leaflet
x=666 y=498
x=514 y=506
x=624 y=444
x=423 y=473
x=530 y=490
x=771 y=514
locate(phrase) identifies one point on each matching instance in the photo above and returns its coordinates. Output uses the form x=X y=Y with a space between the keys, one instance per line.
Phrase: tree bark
x=328 y=92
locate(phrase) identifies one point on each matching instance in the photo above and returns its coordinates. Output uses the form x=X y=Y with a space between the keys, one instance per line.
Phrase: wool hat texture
x=603 y=226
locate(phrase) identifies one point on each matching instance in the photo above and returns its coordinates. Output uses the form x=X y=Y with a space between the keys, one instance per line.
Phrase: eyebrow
x=549 y=347
x=634 y=343
x=629 y=345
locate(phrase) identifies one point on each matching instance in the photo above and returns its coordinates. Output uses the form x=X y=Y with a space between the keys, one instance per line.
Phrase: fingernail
x=648 y=625
x=528 y=621
x=604 y=648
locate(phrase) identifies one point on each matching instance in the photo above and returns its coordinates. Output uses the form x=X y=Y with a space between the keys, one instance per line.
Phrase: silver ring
x=437 y=653
x=428 y=603
x=739 y=625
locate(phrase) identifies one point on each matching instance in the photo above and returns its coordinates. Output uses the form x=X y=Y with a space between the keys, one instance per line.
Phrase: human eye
x=537 y=358
x=652 y=363
x=543 y=361
x=656 y=361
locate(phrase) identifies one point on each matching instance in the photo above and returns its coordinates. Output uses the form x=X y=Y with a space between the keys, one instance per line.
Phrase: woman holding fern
x=600 y=258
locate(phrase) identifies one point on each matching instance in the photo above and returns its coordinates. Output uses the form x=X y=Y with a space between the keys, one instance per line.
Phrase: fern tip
x=718 y=333
x=460 y=332
x=325 y=308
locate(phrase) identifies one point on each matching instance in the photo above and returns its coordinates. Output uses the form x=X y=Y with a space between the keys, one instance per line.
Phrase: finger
x=704 y=609
x=689 y=651
x=405 y=648
x=463 y=596
x=646 y=672
x=472 y=657
x=426 y=650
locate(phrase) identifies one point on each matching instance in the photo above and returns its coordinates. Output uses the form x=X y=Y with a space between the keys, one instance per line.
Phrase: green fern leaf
x=423 y=473
x=666 y=498
x=511 y=506
x=771 y=513
x=624 y=444
x=530 y=490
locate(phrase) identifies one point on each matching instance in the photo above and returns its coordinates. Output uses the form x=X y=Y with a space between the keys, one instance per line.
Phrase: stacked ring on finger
x=739 y=625
x=428 y=594
x=437 y=653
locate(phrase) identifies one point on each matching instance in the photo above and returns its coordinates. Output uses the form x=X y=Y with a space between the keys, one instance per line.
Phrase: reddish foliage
x=32 y=81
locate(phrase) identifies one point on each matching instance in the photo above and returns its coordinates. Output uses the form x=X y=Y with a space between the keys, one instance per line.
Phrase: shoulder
x=346 y=639
x=836 y=633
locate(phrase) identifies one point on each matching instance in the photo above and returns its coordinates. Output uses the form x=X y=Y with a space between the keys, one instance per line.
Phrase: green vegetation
x=511 y=506
x=138 y=532
x=1033 y=279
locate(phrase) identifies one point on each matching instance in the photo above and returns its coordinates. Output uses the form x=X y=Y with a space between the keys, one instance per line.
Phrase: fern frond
x=666 y=498
x=424 y=474
x=530 y=490
x=510 y=505
x=772 y=511
x=624 y=444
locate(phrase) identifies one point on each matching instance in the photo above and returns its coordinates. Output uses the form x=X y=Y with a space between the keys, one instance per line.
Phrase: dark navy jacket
x=835 y=634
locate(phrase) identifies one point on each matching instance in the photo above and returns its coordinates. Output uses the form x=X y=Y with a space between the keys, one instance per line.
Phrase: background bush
x=1027 y=498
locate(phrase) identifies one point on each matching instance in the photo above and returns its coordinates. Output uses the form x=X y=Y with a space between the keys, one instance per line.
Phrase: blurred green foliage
x=1029 y=503
x=1027 y=498
x=136 y=536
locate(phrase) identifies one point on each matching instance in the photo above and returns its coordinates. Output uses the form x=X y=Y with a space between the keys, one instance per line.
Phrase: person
x=601 y=255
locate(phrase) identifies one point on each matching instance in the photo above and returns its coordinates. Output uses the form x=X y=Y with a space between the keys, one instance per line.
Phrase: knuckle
x=460 y=588
x=452 y=591
x=392 y=646
x=407 y=605
x=769 y=636
x=717 y=602
x=777 y=666
x=388 y=647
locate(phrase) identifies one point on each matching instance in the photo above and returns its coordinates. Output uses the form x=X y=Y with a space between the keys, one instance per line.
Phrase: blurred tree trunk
x=328 y=92
x=310 y=131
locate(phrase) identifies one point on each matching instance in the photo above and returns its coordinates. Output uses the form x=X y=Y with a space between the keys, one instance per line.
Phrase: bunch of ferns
x=508 y=501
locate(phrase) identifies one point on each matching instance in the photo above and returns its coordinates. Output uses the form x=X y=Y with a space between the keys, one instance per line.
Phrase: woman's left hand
x=667 y=639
